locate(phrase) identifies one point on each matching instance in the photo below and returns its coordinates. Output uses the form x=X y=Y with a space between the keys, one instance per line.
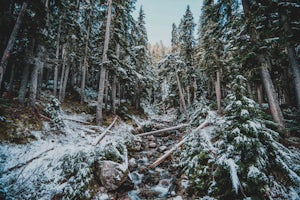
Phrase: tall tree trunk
x=63 y=93
x=188 y=96
x=294 y=64
x=120 y=95
x=57 y=58
x=114 y=84
x=11 y=79
x=265 y=65
x=218 y=91
x=181 y=97
x=103 y=68
x=85 y=62
x=11 y=42
x=23 y=84
x=40 y=81
x=106 y=91
x=62 y=76
x=271 y=94
x=195 y=91
x=260 y=94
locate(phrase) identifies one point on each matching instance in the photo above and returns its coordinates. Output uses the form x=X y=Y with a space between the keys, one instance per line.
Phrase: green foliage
x=54 y=112
x=77 y=174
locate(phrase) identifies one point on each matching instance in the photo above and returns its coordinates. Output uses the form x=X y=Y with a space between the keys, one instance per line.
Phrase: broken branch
x=168 y=153
x=105 y=131
x=27 y=162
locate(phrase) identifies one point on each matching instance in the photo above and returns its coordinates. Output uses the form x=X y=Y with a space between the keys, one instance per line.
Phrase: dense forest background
x=242 y=63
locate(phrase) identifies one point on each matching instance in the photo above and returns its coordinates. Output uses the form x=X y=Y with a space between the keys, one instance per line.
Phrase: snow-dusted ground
x=32 y=170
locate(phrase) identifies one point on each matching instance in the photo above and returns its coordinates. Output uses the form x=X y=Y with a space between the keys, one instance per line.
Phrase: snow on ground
x=33 y=168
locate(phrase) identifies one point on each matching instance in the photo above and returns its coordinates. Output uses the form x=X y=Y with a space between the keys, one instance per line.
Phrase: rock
x=152 y=145
x=162 y=148
x=178 y=198
x=143 y=170
x=151 y=138
x=112 y=175
x=132 y=163
x=149 y=154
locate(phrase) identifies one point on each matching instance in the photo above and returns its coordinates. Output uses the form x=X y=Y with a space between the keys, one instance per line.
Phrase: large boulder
x=112 y=175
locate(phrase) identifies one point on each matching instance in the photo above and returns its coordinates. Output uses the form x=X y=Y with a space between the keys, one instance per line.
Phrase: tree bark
x=65 y=81
x=195 y=90
x=11 y=42
x=181 y=97
x=85 y=62
x=38 y=65
x=188 y=96
x=106 y=91
x=11 y=79
x=271 y=94
x=99 y=117
x=62 y=76
x=57 y=59
x=218 y=91
x=114 y=84
x=40 y=81
x=260 y=94
x=23 y=84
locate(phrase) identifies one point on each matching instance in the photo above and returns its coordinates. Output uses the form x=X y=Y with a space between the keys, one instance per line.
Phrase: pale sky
x=161 y=14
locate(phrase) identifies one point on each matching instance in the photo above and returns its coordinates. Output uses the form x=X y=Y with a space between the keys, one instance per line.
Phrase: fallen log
x=27 y=162
x=105 y=131
x=78 y=121
x=163 y=130
x=179 y=144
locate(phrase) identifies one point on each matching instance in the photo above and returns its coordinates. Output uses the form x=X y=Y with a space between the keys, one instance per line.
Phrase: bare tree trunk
x=11 y=42
x=103 y=68
x=33 y=84
x=119 y=92
x=271 y=93
x=195 y=90
x=106 y=91
x=11 y=79
x=218 y=91
x=181 y=97
x=63 y=93
x=57 y=58
x=260 y=94
x=35 y=73
x=40 y=81
x=23 y=84
x=114 y=84
x=188 y=96
x=249 y=90
x=85 y=62
x=63 y=58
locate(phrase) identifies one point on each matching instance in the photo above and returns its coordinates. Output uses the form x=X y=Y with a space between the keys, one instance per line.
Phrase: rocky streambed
x=161 y=182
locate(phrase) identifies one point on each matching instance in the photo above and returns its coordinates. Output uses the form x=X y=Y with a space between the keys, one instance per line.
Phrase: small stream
x=162 y=182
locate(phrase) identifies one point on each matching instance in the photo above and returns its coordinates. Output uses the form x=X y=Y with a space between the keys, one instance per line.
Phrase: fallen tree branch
x=45 y=117
x=163 y=130
x=27 y=162
x=75 y=120
x=105 y=131
x=168 y=153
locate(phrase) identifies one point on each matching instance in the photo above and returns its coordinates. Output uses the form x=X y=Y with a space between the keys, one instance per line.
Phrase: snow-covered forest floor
x=64 y=161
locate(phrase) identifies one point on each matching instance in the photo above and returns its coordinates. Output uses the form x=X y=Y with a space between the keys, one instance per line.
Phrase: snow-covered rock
x=112 y=174
x=152 y=145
